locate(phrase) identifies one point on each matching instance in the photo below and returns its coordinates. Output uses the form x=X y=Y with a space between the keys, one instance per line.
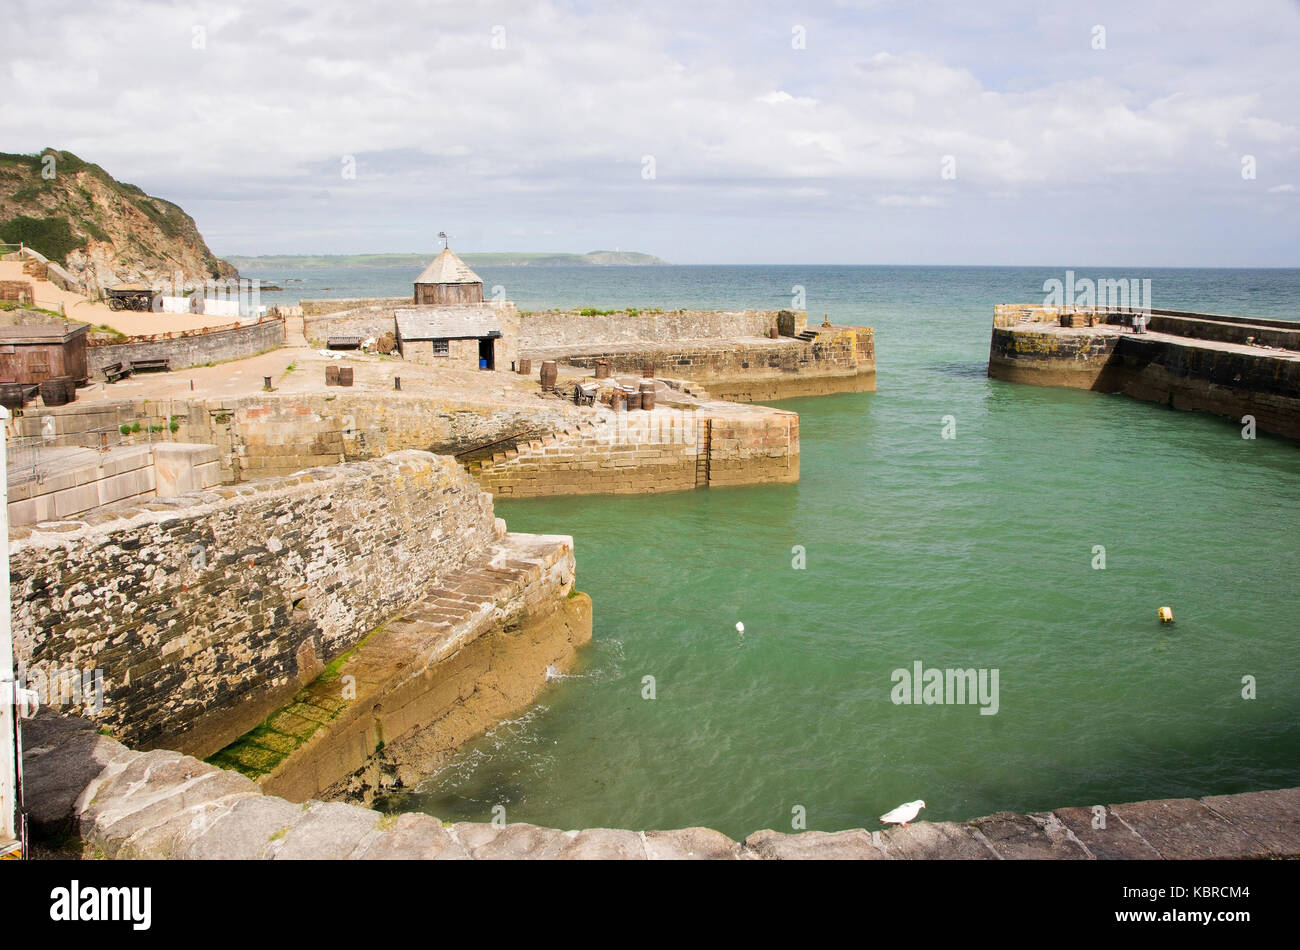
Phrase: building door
x=485 y=348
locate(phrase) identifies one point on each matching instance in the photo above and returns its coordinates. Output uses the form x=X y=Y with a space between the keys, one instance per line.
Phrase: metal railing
x=29 y=457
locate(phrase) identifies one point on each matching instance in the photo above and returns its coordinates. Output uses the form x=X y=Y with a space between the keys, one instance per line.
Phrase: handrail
x=488 y=445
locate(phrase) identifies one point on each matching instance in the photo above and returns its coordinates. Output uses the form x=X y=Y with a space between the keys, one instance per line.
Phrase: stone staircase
x=572 y=435
x=807 y=336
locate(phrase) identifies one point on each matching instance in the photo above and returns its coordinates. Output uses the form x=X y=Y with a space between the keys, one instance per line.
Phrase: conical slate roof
x=447 y=268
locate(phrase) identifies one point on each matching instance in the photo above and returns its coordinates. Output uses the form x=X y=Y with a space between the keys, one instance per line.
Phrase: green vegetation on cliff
x=101 y=229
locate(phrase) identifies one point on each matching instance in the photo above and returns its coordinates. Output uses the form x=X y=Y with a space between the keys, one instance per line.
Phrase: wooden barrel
x=331 y=375
x=648 y=370
x=633 y=401
x=525 y=367
x=345 y=375
x=11 y=395
x=602 y=369
x=648 y=396
x=549 y=374
x=59 y=391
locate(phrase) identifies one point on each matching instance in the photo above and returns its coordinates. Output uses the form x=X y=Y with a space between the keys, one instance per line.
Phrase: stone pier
x=1229 y=366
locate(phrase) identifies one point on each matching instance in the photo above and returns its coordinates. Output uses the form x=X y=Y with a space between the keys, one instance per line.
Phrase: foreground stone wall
x=192 y=348
x=124 y=804
x=206 y=610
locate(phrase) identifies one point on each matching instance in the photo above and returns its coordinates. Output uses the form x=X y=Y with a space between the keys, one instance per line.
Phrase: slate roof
x=447 y=323
x=447 y=268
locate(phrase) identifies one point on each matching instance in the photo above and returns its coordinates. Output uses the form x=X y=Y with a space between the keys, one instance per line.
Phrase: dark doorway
x=485 y=357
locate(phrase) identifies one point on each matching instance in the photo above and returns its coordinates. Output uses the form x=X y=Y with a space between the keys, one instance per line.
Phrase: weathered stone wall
x=551 y=328
x=85 y=479
x=278 y=434
x=194 y=347
x=646 y=452
x=162 y=805
x=204 y=611
x=312 y=308
x=837 y=360
x=1223 y=379
x=368 y=321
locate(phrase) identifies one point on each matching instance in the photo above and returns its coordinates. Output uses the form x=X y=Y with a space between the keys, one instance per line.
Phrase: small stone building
x=448 y=280
x=37 y=352
x=466 y=337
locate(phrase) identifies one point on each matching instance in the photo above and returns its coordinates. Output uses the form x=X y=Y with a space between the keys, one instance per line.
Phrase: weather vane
x=443 y=235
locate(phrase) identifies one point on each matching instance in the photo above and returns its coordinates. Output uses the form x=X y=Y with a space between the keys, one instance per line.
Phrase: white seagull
x=903 y=813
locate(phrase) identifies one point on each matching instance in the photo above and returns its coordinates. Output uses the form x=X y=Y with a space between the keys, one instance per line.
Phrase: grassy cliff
x=103 y=230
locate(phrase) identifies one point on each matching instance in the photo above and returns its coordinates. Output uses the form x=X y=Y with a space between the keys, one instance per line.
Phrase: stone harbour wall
x=842 y=360
x=645 y=452
x=1226 y=379
x=192 y=348
x=268 y=434
x=124 y=804
x=206 y=610
x=551 y=328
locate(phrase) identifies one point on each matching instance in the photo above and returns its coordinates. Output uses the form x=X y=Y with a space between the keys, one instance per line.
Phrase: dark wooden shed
x=448 y=281
x=35 y=353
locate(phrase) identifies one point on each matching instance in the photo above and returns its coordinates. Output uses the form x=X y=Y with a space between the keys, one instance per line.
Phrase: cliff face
x=104 y=231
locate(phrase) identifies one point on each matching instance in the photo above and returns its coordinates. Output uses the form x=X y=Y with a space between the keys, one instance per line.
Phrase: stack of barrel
x=59 y=391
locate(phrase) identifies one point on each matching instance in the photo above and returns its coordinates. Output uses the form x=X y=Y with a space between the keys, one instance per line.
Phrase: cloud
x=548 y=131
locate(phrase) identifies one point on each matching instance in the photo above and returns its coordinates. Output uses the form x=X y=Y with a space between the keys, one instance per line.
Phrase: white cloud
x=553 y=127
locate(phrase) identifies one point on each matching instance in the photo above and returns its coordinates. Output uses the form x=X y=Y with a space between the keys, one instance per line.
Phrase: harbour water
x=977 y=551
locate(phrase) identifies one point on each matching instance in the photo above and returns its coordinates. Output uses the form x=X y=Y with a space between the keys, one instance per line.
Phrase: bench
x=163 y=364
x=115 y=371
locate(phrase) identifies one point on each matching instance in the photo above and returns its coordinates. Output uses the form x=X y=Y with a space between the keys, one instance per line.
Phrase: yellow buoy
x=1166 y=614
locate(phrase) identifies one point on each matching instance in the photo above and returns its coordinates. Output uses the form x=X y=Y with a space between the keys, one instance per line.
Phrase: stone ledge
x=164 y=805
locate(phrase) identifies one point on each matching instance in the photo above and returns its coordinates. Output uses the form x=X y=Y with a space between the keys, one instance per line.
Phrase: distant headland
x=525 y=259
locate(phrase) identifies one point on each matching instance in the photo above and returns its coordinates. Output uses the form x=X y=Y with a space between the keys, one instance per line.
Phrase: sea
x=1033 y=544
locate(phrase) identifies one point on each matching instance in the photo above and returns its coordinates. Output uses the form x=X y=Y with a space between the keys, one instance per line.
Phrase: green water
x=975 y=551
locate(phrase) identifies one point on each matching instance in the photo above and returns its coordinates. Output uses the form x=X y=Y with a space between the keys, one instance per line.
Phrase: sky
x=870 y=132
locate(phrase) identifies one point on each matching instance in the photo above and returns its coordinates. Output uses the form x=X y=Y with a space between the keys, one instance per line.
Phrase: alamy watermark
x=64 y=686
x=1106 y=293
x=920 y=686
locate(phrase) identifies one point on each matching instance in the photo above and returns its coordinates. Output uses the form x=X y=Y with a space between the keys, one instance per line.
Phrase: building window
x=441 y=348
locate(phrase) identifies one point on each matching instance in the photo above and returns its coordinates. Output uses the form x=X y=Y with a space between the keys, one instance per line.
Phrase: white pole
x=8 y=688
